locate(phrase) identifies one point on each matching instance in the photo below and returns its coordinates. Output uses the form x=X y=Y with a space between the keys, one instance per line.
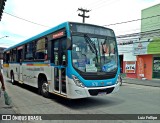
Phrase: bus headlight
x=77 y=81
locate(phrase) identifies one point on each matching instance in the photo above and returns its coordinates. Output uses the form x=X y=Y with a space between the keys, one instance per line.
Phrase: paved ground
x=127 y=97
x=5 y=109
x=154 y=83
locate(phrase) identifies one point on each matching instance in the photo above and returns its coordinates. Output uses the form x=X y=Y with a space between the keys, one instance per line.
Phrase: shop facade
x=141 y=58
x=142 y=61
x=148 y=58
x=147 y=49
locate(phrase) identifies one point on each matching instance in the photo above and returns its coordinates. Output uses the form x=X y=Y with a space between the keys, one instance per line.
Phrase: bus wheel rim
x=12 y=79
x=45 y=87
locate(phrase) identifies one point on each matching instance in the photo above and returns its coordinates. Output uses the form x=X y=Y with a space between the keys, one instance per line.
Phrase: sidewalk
x=5 y=109
x=8 y=110
x=153 y=83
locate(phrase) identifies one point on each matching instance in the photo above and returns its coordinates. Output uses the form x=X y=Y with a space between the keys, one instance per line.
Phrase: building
x=147 y=49
x=126 y=56
x=139 y=53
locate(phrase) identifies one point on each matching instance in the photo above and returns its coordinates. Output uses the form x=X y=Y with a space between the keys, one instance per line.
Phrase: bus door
x=20 y=51
x=59 y=61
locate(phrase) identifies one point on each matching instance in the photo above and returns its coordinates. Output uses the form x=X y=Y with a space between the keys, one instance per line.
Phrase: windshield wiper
x=91 y=45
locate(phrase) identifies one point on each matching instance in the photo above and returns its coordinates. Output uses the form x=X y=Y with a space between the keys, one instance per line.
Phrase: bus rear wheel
x=44 y=89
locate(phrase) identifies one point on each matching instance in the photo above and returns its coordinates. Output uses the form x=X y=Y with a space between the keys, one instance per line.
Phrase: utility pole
x=83 y=15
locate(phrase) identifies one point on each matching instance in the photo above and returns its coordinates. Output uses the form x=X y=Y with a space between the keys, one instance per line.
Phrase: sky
x=42 y=15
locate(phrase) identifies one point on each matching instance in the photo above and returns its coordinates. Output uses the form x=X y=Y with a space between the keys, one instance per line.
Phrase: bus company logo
x=102 y=83
x=6 y=117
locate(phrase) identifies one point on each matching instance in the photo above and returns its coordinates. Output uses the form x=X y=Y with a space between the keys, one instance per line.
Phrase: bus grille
x=95 y=92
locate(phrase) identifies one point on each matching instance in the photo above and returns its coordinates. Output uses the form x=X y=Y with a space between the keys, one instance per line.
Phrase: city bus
x=72 y=60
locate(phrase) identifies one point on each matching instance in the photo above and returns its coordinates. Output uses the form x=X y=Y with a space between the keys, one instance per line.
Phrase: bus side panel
x=13 y=68
x=45 y=73
x=28 y=74
x=51 y=87
x=31 y=72
x=6 y=69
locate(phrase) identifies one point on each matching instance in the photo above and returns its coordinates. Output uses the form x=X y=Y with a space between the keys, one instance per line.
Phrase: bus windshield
x=94 y=53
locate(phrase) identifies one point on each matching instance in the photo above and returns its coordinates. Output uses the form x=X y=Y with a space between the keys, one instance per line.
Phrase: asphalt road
x=131 y=99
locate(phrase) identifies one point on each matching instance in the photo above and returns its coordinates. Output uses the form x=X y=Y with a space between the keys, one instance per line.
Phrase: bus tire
x=44 y=89
x=12 y=78
x=120 y=81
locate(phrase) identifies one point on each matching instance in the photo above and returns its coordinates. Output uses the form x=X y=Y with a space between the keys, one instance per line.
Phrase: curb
x=142 y=83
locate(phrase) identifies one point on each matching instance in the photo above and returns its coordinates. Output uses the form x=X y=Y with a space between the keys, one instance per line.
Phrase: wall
x=148 y=59
x=148 y=63
x=150 y=23
x=129 y=57
x=129 y=75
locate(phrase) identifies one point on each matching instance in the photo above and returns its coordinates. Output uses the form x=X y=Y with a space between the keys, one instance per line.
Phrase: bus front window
x=94 y=54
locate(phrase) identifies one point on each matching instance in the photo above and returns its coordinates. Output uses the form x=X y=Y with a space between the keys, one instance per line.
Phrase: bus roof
x=39 y=35
x=65 y=24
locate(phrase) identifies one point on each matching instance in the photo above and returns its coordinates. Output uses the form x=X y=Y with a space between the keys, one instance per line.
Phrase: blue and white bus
x=73 y=60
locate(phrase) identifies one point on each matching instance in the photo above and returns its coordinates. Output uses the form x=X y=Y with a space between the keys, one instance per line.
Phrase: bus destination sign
x=58 y=34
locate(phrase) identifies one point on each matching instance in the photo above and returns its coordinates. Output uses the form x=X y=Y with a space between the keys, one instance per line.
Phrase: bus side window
x=40 y=55
x=10 y=54
x=41 y=49
x=29 y=51
x=19 y=57
x=7 y=58
x=63 y=52
x=4 y=57
x=46 y=55
x=56 y=51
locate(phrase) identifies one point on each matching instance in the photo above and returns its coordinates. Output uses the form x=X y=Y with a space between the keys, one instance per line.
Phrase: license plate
x=102 y=93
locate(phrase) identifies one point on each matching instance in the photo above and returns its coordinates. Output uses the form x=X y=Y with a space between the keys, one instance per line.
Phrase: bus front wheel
x=44 y=89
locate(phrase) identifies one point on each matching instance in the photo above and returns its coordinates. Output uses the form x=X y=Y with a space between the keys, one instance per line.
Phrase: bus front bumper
x=75 y=92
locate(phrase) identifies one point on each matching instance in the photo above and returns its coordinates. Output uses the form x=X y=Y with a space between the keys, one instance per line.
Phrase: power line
x=98 y=3
x=132 y=20
x=95 y=3
x=139 y=33
x=25 y=19
x=148 y=26
x=130 y=41
x=104 y=4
